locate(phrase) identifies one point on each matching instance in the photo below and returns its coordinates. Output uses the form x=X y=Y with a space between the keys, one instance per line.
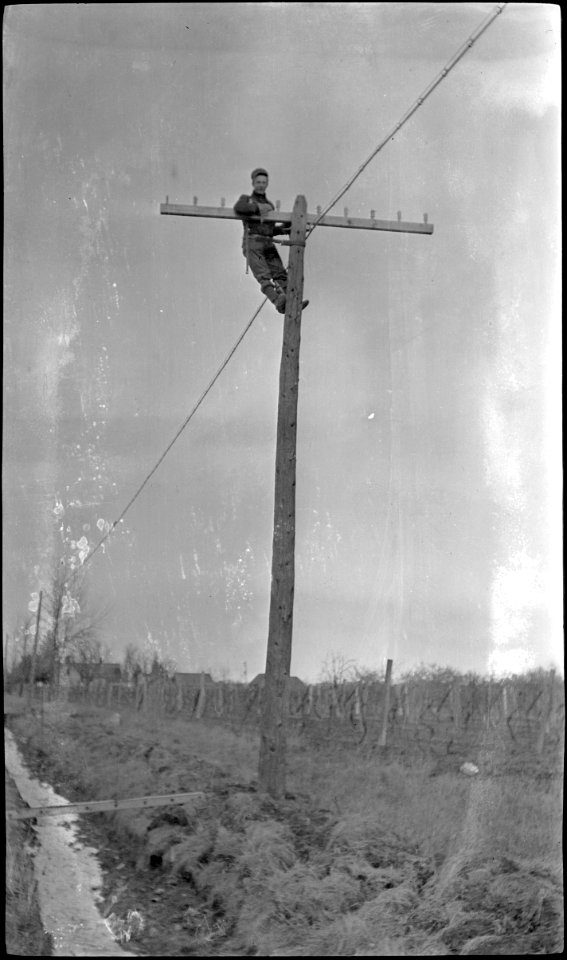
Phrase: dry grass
x=24 y=935
x=409 y=802
x=371 y=858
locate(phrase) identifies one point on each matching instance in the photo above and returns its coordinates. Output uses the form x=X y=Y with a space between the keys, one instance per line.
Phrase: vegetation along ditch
x=369 y=854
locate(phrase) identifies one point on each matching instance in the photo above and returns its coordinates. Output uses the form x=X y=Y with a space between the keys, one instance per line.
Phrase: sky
x=428 y=498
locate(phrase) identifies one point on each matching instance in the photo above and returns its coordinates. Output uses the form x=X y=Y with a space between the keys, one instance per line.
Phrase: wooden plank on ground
x=100 y=806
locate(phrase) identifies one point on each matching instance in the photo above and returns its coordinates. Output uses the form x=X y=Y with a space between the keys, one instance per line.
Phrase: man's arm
x=246 y=207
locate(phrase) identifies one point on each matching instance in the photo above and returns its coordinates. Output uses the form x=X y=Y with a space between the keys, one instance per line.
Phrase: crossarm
x=354 y=223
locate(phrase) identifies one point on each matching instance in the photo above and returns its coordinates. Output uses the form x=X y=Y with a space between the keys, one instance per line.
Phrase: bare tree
x=337 y=669
x=148 y=662
x=87 y=653
x=71 y=626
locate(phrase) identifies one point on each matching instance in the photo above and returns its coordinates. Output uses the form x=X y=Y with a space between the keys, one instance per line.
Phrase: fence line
x=417 y=714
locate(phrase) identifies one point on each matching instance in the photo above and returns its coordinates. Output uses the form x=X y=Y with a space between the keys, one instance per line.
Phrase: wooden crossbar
x=356 y=223
x=100 y=806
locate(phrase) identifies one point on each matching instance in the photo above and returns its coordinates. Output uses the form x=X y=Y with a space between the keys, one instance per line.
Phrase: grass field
x=366 y=856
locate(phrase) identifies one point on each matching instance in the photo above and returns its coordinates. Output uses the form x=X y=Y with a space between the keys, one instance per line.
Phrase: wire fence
x=446 y=720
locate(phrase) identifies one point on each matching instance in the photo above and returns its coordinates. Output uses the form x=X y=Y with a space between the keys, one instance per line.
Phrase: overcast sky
x=429 y=445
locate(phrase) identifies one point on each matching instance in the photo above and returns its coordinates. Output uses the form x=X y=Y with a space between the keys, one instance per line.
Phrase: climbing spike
x=195 y=201
x=425 y=217
x=222 y=202
x=399 y=214
x=373 y=214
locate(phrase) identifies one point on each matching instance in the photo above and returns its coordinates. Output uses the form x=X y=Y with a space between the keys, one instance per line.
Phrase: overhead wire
x=185 y=423
x=466 y=46
x=464 y=49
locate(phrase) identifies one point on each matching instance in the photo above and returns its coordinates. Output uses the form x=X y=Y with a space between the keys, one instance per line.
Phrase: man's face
x=260 y=183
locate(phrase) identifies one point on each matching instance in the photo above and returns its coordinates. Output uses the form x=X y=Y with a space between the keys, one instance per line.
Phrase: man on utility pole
x=258 y=240
x=272 y=764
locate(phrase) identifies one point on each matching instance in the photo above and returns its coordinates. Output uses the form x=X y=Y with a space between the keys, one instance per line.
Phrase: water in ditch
x=68 y=874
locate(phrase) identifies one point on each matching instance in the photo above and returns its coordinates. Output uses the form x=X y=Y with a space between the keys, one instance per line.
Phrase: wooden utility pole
x=272 y=767
x=6 y=655
x=24 y=654
x=271 y=773
x=34 y=652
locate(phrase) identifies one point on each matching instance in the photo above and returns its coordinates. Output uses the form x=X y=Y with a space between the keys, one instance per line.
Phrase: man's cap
x=257 y=172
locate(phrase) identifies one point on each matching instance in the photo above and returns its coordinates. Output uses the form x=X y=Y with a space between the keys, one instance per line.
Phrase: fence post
x=546 y=717
x=456 y=698
x=384 y=733
x=200 y=708
x=308 y=703
x=404 y=697
x=485 y=704
x=140 y=691
x=356 y=704
x=335 y=708
x=504 y=701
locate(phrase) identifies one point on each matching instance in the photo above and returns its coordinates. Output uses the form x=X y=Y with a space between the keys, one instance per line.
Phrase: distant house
x=73 y=674
x=106 y=671
x=193 y=680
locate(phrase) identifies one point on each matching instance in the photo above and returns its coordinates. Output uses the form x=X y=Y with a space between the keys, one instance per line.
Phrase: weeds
x=24 y=935
x=371 y=858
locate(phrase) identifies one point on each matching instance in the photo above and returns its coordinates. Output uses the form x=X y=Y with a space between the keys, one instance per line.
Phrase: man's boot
x=281 y=303
x=274 y=295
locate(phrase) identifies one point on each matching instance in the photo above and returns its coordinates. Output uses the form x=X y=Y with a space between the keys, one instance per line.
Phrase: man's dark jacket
x=256 y=205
